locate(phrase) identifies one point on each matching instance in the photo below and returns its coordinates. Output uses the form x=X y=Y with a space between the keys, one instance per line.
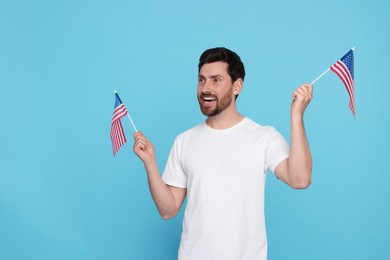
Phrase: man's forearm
x=300 y=160
x=161 y=193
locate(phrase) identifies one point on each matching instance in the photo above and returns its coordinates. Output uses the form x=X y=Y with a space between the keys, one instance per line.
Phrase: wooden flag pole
x=128 y=115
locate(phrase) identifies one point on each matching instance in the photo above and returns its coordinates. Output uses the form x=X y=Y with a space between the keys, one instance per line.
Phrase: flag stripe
x=117 y=134
x=347 y=76
x=340 y=71
x=343 y=70
x=349 y=89
x=119 y=112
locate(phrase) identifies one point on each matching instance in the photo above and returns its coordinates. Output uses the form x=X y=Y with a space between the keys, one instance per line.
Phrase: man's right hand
x=143 y=148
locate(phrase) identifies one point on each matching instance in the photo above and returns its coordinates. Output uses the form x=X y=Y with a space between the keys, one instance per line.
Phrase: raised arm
x=296 y=170
x=168 y=199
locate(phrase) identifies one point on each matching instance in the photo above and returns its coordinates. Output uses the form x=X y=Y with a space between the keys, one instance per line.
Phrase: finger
x=304 y=91
x=310 y=88
x=299 y=93
x=140 y=137
x=138 y=134
x=142 y=140
x=140 y=146
x=307 y=88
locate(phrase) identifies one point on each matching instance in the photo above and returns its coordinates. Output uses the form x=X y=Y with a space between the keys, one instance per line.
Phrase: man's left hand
x=301 y=99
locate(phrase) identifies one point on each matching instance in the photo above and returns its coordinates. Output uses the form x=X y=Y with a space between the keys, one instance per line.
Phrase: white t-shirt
x=224 y=172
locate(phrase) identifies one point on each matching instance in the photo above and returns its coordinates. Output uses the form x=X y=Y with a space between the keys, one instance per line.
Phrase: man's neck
x=224 y=120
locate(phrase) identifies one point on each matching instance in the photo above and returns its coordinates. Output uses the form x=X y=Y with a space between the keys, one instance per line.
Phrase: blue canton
x=118 y=101
x=348 y=61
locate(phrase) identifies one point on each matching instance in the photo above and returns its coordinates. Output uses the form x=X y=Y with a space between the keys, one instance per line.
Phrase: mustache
x=208 y=95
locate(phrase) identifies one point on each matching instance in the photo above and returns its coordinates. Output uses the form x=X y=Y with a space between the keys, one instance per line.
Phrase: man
x=221 y=165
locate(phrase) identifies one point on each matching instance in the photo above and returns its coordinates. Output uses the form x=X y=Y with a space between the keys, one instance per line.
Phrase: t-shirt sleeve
x=277 y=150
x=174 y=174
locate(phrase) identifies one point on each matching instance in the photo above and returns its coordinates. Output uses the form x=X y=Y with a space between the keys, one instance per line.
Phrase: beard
x=220 y=104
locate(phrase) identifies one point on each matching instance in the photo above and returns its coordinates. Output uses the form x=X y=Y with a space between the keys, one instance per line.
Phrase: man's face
x=215 y=88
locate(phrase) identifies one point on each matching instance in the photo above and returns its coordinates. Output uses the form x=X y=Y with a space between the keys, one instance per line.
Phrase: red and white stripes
x=117 y=134
x=342 y=71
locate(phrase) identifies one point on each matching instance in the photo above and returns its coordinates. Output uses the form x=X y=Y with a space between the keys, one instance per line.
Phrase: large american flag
x=117 y=134
x=344 y=69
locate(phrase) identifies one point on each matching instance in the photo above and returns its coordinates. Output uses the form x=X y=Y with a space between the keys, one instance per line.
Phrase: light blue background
x=64 y=196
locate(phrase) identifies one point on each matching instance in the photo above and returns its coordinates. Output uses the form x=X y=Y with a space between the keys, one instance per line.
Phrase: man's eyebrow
x=212 y=76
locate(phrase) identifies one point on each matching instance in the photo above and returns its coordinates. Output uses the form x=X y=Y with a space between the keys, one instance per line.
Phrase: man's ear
x=237 y=86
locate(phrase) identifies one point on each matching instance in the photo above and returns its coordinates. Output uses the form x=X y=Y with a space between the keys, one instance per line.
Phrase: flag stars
x=348 y=61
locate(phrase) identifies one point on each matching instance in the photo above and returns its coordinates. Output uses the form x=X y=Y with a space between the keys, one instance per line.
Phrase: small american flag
x=117 y=134
x=344 y=68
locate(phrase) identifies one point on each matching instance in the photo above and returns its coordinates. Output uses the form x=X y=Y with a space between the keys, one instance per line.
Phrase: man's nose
x=206 y=87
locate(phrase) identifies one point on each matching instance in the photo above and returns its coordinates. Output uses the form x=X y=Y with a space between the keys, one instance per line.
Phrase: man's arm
x=296 y=170
x=168 y=199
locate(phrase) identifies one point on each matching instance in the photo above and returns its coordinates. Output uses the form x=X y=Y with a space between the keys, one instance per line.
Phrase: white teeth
x=209 y=99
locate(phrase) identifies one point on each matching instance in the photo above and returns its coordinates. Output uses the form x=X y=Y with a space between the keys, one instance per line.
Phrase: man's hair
x=236 y=68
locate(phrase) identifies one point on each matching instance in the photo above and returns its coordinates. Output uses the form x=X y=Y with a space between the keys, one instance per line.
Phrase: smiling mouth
x=209 y=99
